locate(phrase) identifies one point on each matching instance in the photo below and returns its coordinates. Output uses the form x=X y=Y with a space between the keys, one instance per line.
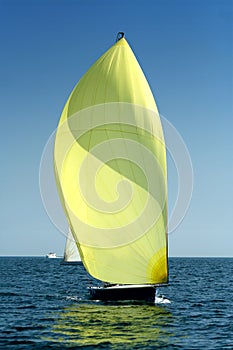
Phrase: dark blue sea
x=46 y=305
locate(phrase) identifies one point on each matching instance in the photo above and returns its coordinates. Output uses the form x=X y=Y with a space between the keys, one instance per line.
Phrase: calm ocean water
x=46 y=305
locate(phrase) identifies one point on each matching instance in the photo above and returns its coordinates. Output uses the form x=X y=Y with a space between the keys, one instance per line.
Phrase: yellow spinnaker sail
x=110 y=168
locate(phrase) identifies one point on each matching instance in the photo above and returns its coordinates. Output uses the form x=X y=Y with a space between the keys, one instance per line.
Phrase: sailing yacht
x=71 y=254
x=111 y=175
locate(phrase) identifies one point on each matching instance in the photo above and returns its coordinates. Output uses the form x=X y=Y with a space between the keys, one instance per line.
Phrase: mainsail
x=71 y=253
x=110 y=169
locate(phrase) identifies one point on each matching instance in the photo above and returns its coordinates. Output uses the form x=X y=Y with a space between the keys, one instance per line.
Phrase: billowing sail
x=71 y=253
x=110 y=168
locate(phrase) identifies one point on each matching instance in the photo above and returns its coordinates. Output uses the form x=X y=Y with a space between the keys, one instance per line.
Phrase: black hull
x=123 y=292
x=71 y=262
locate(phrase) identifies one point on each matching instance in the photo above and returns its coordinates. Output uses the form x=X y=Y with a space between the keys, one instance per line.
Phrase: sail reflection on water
x=121 y=325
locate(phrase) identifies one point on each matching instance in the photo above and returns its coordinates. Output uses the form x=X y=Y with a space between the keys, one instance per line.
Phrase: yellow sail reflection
x=110 y=168
x=119 y=325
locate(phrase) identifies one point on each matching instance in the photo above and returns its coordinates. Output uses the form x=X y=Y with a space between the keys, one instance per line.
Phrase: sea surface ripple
x=46 y=305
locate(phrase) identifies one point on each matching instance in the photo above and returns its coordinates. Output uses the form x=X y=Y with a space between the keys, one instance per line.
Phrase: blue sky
x=185 y=50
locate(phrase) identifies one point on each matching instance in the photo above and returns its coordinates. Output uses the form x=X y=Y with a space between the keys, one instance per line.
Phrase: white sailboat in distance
x=71 y=254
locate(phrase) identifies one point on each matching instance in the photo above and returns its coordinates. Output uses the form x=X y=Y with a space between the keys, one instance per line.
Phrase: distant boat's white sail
x=71 y=253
